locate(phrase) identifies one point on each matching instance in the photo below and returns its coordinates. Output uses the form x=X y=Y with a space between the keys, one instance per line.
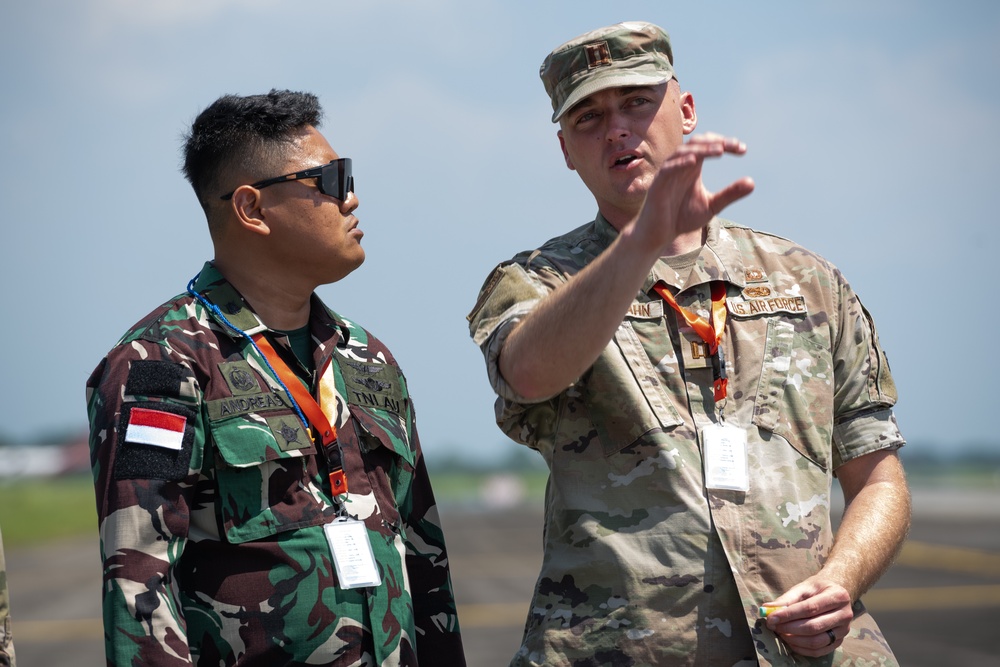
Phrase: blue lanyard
x=243 y=334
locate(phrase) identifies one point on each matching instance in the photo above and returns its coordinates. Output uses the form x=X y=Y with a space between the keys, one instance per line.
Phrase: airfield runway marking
x=932 y=597
x=61 y=630
x=951 y=559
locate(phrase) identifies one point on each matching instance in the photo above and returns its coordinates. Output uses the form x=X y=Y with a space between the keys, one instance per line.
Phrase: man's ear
x=246 y=206
x=562 y=145
x=689 y=117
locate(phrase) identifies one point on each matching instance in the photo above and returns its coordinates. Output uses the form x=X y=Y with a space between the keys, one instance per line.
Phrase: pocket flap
x=250 y=441
x=387 y=428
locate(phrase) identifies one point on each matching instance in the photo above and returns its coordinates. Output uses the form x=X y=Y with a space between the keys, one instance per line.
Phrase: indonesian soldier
x=694 y=386
x=7 y=657
x=261 y=490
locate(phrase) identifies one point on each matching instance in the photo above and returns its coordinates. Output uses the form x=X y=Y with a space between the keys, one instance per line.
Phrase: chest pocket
x=379 y=406
x=795 y=390
x=625 y=393
x=266 y=472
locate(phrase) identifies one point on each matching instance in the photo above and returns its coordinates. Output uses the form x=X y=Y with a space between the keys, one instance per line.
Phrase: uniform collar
x=214 y=287
x=719 y=259
x=604 y=231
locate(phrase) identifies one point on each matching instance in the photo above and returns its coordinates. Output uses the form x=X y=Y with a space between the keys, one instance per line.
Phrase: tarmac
x=938 y=605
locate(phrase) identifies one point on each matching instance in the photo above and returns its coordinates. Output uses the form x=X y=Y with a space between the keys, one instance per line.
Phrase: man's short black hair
x=243 y=136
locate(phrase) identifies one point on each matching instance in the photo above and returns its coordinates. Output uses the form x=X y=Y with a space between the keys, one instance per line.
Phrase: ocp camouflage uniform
x=642 y=564
x=215 y=554
x=7 y=658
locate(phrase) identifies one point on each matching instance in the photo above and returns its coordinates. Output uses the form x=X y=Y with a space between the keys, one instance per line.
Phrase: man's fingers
x=818 y=645
x=695 y=150
x=734 y=146
x=727 y=195
x=715 y=144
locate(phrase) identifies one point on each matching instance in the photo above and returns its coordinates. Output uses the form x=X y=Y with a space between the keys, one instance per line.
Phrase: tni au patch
x=372 y=384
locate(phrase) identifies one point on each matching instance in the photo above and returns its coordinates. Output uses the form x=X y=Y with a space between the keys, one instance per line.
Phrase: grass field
x=35 y=511
x=38 y=510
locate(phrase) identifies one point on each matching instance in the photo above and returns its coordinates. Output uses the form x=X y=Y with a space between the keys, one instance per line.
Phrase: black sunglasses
x=334 y=179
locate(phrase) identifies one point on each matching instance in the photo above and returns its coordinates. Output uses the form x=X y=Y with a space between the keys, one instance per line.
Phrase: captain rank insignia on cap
x=598 y=54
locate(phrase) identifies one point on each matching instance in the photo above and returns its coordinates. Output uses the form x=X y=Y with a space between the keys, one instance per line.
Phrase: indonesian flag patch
x=155 y=427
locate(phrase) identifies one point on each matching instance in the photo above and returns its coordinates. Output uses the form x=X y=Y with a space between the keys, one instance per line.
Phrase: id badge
x=352 y=553
x=725 y=449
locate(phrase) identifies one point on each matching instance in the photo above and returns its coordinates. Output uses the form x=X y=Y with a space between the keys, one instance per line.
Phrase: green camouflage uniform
x=215 y=554
x=642 y=564
x=6 y=638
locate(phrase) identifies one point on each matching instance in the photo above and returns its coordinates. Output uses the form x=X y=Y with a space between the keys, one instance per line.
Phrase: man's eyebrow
x=582 y=104
x=623 y=91
x=628 y=90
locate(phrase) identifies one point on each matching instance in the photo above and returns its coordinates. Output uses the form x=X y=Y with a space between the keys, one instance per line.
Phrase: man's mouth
x=624 y=160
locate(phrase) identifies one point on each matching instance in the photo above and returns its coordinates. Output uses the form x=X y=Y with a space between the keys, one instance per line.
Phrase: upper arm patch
x=156 y=378
x=155 y=432
x=155 y=440
x=510 y=289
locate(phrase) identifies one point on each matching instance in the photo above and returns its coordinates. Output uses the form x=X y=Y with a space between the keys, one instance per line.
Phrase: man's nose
x=349 y=203
x=616 y=126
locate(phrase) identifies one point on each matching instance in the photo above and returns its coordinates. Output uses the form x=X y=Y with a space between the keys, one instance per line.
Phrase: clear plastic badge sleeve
x=725 y=451
x=352 y=553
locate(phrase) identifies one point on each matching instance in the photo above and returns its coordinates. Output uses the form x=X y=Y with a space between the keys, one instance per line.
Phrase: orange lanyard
x=711 y=333
x=312 y=410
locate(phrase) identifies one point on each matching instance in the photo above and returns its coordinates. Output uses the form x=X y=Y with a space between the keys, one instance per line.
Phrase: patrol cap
x=625 y=54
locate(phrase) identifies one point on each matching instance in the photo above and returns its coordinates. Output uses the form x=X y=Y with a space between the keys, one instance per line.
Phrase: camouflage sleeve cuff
x=866 y=433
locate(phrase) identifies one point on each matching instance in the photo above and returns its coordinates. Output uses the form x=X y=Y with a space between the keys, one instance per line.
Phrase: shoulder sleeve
x=510 y=293
x=865 y=391
x=146 y=439
x=427 y=565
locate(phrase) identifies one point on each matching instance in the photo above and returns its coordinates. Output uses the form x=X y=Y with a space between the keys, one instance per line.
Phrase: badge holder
x=724 y=446
x=352 y=553
x=725 y=451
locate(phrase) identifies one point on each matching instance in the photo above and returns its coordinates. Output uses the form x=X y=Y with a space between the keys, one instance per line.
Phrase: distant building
x=45 y=460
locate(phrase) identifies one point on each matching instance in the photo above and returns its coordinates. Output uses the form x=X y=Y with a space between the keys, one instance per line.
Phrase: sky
x=871 y=126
